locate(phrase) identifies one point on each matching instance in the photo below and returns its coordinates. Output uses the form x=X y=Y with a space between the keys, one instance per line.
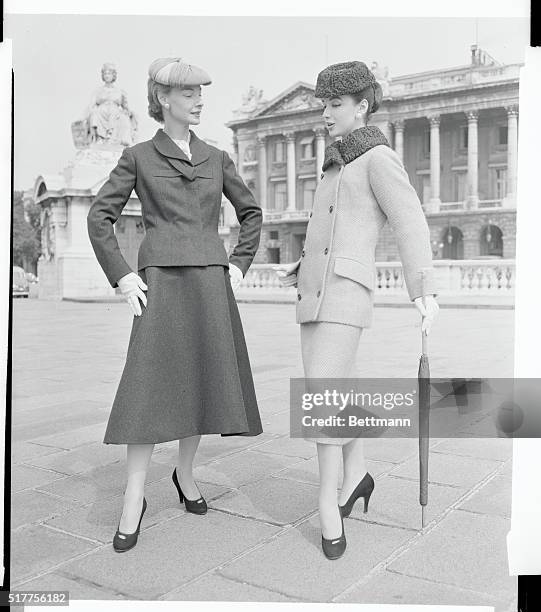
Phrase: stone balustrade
x=453 y=277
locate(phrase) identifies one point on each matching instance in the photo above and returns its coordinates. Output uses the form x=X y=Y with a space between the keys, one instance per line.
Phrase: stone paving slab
x=22 y=451
x=475 y=546
x=100 y=483
x=210 y=448
x=74 y=437
x=83 y=459
x=31 y=424
x=493 y=499
x=293 y=447
x=387 y=587
x=393 y=450
x=249 y=466
x=78 y=588
x=277 y=423
x=214 y=587
x=32 y=506
x=308 y=470
x=264 y=500
x=98 y=520
x=27 y=477
x=37 y=548
x=170 y=554
x=294 y=564
x=499 y=449
x=448 y=469
x=384 y=509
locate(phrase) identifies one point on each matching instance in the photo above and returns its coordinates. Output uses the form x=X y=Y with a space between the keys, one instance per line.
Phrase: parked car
x=20 y=287
x=32 y=278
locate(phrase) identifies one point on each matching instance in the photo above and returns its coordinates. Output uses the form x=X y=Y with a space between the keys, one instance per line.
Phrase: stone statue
x=47 y=235
x=249 y=154
x=109 y=120
x=382 y=77
x=251 y=100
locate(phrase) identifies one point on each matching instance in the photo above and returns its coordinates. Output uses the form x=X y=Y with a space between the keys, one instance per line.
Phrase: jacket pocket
x=356 y=270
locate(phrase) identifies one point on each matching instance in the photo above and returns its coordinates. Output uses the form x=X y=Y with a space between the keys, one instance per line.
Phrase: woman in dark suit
x=187 y=370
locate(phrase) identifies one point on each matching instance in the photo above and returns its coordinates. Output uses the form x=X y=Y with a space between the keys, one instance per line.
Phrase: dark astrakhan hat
x=343 y=78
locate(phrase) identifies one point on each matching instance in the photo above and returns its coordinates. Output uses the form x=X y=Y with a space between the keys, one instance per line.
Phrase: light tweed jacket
x=336 y=275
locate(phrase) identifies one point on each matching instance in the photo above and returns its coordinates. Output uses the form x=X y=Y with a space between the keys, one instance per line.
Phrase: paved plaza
x=260 y=540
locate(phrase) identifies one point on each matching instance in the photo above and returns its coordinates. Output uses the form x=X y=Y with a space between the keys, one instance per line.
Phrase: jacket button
x=326 y=250
x=302 y=254
x=310 y=214
x=299 y=296
x=322 y=175
x=331 y=208
x=318 y=293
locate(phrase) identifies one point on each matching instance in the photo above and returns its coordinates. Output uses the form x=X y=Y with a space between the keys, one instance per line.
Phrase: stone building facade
x=455 y=129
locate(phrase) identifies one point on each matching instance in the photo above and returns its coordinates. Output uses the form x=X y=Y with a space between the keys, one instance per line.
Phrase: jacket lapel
x=175 y=156
x=199 y=149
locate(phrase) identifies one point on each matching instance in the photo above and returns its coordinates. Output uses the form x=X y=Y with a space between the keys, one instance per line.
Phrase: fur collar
x=354 y=144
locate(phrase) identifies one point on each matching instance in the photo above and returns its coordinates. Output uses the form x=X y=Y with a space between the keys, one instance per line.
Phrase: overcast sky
x=57 y=61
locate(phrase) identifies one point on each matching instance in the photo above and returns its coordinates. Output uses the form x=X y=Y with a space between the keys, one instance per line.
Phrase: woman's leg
x=138 y=458
x=354 y=468
x=328 y=350
x=187 y=448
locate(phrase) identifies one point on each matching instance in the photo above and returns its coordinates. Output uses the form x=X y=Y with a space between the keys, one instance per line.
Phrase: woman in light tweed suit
x=364 y=184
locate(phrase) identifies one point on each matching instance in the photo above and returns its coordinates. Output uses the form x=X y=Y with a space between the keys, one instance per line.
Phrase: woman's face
x=342 y=114
x=108 y=75
x=185 y=104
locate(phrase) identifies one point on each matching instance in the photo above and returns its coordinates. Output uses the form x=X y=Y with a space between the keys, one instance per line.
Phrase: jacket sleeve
x=248 y=213
x=105 y=210
x=399 y=201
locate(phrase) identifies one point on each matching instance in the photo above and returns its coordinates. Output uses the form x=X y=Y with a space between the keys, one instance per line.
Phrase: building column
x=236 y=151
x=435 y=201
x=291 y=170
x=262 y=169
x=512 y=153
x=399 y=138
x=320 y=151
x=473 y=160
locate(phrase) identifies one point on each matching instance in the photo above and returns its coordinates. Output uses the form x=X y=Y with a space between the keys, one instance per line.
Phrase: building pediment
x=299 y=97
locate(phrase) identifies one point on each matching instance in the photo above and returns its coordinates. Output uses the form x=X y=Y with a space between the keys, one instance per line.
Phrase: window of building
x=307 y=147
x=502 y=135
x=308 y=191
x=273 y=235
x=222 y=216
x=498 y=183
x=459 y=186
x=491 y=241
x=279 y=151
x=280 y=196
x=424 y=188
x=426 y=143
x=273 y=255
x=463 y=137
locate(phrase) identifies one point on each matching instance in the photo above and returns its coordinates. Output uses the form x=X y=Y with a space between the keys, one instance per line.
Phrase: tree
x=26 y=234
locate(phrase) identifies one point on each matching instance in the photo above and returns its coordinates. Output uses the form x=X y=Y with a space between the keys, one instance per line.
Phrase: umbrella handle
x=424 y=338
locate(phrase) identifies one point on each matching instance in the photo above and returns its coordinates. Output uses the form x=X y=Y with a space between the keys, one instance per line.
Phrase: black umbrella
x=424 y=413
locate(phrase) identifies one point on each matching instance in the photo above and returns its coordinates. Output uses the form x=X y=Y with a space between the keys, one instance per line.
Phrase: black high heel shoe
x=124 y=541
x=334 y=548
x=363 y=489
x=196 y=506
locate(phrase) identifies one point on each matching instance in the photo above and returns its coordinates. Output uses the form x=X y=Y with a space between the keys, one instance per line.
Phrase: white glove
x=235 y=275
x=287 y=273
x=132 y=286
x=429 y=313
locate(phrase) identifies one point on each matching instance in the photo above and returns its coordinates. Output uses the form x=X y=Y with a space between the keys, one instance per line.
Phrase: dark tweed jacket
x=180 y=205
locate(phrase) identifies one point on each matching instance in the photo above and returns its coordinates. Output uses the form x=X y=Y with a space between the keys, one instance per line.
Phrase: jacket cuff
x=240 y=264
x=114 y=274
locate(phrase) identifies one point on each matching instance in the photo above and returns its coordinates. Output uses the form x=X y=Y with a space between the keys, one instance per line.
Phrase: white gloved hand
x=132 y=286
x=235 y=275
x=287 y=273
x=428 y=313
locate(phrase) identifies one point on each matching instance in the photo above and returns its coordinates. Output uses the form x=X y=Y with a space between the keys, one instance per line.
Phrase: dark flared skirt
x=187 y=369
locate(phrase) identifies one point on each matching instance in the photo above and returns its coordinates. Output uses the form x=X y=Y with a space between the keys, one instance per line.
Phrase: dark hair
x=372 y=94
x=154 y=107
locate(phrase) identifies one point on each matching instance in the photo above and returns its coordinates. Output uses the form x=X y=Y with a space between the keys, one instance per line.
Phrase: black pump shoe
x=363 y=489
x=196 y=506
x=124 y=541
x=334 y=548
